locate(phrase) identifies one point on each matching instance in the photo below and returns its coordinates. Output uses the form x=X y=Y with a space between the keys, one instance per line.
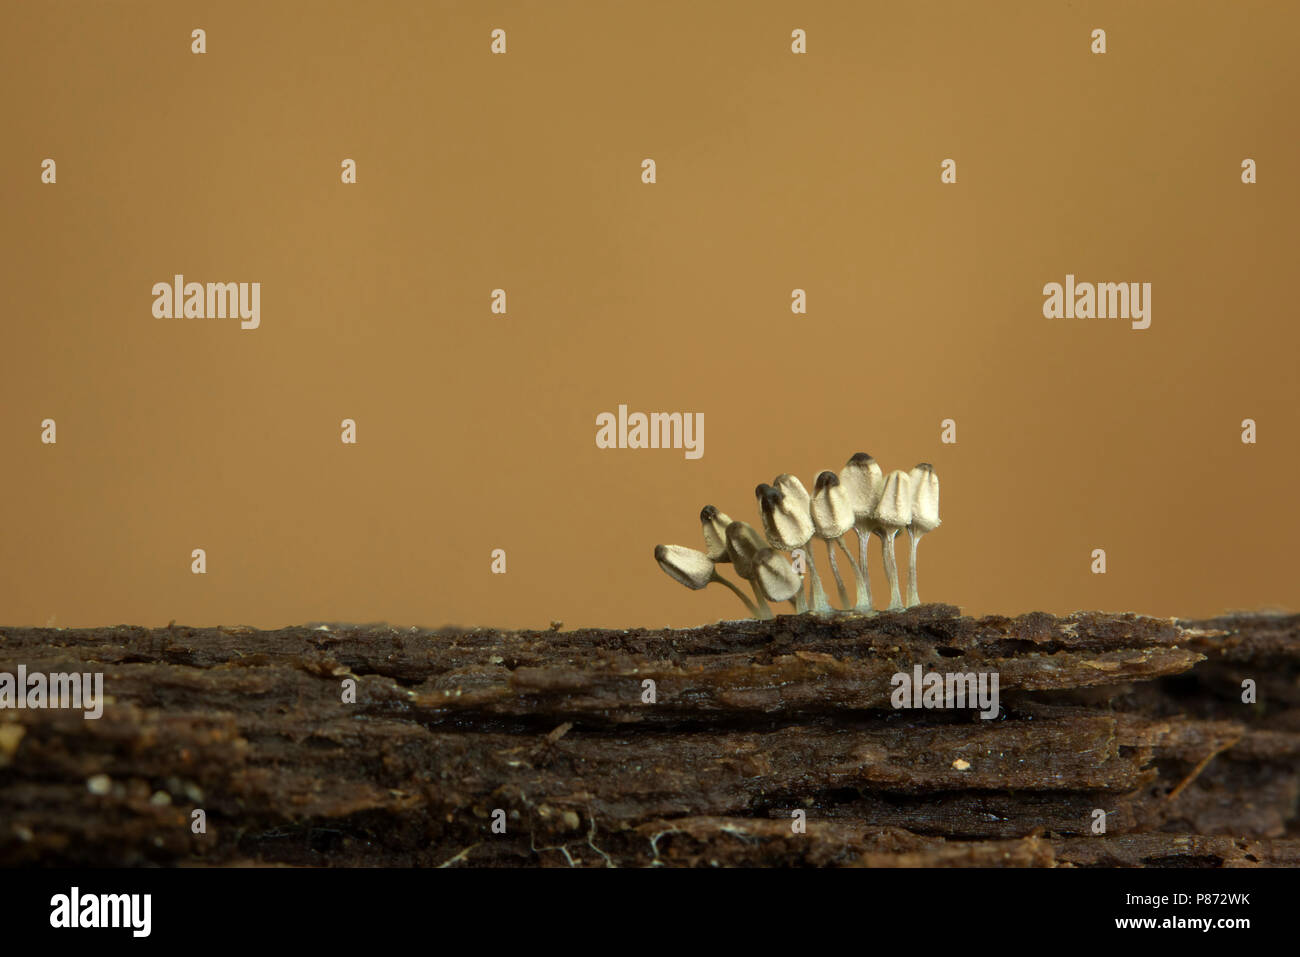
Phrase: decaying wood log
x=766 y=743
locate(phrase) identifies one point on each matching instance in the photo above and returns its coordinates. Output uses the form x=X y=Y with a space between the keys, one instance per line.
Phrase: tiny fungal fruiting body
x=860 y=497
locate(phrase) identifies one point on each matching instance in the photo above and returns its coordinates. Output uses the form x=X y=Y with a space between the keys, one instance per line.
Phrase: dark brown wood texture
x=1142 y=718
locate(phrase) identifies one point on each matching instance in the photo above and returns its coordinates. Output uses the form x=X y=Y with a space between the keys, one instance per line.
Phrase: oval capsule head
x=776 y=576
x=689 y=566
x=925 y=498
x=714 y=525
x=832 y=513
x=894 y=510
x=864 y=481
x=787 y=526
x=795 y=494
x=743 y=542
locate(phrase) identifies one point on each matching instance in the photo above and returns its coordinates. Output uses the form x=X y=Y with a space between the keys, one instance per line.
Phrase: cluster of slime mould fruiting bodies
x=861 y=497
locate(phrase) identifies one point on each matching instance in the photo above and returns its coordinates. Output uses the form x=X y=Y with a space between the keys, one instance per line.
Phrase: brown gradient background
x=522 y=171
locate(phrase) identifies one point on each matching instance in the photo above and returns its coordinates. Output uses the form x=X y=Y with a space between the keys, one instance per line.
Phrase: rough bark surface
x=1136 y=717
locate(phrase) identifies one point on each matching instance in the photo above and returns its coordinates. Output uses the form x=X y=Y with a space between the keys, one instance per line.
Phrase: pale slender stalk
x=819 y=604
x=864 y=583
x=800 y=602
x=891 y=568
x=912 y=597
x=858 y=574
x=764 y=612
x=839 y=581
x=739 y=594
